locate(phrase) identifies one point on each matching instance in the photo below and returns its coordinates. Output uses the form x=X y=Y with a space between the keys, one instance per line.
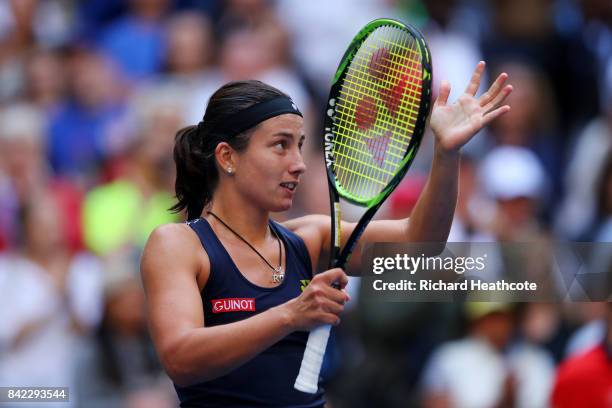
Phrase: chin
x=282 y=206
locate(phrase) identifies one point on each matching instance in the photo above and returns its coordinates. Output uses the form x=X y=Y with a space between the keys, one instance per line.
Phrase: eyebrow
x=289 y=135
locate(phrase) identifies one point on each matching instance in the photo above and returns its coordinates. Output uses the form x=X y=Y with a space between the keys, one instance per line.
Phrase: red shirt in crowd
x=585 y=381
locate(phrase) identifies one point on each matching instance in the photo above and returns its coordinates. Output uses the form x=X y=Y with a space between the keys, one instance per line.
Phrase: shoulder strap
x=296 y=242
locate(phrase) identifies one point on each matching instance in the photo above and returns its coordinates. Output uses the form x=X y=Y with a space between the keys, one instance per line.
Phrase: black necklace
x=277 y=274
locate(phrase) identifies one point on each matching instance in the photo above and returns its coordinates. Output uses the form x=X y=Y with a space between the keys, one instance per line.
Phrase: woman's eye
x=280 y=145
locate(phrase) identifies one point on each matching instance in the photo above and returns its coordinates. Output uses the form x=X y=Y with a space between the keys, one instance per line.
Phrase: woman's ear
x=226 y=158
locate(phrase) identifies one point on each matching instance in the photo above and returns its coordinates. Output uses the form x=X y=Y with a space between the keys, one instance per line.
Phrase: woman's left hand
x=455 y=124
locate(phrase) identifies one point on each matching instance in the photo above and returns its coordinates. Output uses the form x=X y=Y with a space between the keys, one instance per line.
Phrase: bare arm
x=453 y=126
x=191 y=352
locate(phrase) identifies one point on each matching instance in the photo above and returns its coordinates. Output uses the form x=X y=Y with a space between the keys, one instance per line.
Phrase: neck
x=250 y=222
x=44 y=257
x=142 y=175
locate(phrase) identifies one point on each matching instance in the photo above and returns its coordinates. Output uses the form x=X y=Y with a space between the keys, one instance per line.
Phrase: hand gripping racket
x=376 y=115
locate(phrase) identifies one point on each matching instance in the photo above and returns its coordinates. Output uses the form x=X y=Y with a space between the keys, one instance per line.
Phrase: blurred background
x=92 y=93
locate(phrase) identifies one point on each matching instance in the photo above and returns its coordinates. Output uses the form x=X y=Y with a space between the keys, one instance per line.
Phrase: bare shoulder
x=172 y=246
x=172 y=265
x=171 y=239
x=173 y=233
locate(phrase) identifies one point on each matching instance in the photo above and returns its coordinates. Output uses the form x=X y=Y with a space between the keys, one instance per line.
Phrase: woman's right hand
x=320 y=303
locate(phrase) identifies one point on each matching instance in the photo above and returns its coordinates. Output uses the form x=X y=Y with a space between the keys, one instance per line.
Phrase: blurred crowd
x=92 y=93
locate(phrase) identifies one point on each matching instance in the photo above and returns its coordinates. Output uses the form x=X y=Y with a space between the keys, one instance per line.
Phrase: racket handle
x=308 y=378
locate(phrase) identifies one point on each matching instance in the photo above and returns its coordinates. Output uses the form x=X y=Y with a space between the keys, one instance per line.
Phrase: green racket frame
x=308 y=377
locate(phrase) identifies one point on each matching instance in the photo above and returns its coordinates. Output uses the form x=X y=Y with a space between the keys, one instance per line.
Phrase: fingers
x=335 y=275
x=322 y=286
x=330 y=306
x=338 y=296
x=489 y=117
x=474 y=84
x=327 y=303
x=320 y=302
x=445 y=89
x=494 y=90
x=330 y=318
x=499 y=99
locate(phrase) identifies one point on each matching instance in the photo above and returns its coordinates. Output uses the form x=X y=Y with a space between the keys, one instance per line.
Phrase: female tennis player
x=227 y=298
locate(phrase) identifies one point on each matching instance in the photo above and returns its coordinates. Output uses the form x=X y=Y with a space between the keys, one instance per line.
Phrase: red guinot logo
x=233 y=305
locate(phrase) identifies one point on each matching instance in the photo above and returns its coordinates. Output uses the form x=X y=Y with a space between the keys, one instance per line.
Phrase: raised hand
x=455 y=124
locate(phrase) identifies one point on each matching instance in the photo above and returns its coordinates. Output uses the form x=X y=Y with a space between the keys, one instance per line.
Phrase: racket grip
x=308 y=378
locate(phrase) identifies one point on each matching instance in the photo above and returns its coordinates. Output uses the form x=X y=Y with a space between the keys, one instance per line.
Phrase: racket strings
x=376 y=112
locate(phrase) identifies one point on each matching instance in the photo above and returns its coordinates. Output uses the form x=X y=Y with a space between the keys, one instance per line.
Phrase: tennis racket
x=376 y=115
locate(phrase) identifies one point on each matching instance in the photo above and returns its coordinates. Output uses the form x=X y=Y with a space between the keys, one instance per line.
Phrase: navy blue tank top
x=267 y=379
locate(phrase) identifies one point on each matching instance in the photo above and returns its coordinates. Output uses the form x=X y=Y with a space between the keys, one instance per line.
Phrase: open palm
x=455 y=124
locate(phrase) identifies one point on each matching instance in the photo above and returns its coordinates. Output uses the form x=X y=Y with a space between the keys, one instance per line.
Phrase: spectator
x=578 y=217
x=258 y=53
x=26 y=172
x=514 y=177
x=188 y=63
x=50 y=301
x=135 y=41
x=481 y=370
x=88 y=127
x=585 y=380
x=123 y=212
x=123 y=369
x=45 y=79
x=190 y=45
x=592 y=330
x=532 y=123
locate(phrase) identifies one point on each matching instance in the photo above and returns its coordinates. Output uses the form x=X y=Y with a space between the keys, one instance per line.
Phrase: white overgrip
x=308 y=378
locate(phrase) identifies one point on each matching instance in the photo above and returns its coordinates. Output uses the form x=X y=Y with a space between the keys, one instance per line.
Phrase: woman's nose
x=298 y=166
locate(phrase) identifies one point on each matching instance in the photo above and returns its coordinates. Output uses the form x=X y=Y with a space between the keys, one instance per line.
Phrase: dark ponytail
x=194 y=149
